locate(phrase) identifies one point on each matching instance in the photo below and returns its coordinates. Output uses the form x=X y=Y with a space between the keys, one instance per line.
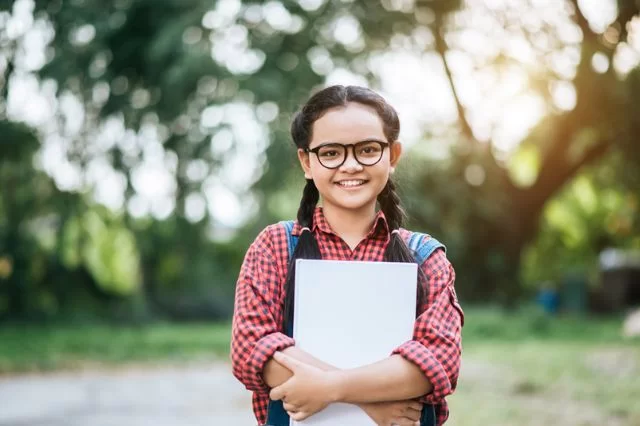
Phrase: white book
x=350 y=314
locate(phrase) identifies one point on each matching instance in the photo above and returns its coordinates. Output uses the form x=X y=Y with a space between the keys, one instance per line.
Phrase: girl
x=347 y=140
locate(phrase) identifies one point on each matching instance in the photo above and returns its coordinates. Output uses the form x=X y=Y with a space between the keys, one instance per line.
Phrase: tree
x=174 y=67
x=602 y=119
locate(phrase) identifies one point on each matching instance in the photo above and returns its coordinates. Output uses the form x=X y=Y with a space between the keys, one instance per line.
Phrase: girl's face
x=351 y=186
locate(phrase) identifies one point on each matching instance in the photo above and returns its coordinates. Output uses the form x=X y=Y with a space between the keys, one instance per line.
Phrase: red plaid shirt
x=257 y=334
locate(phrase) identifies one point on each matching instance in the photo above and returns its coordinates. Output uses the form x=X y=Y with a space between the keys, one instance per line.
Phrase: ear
x=396 y=152
x=305 y=162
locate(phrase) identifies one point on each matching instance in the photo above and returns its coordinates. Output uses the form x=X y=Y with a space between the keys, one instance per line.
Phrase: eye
x=329 y=153
x=371 y=148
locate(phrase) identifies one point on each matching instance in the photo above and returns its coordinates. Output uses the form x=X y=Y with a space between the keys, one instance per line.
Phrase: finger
x=290 y=407
x=286 y=361
x=277 y=393
x=299 y=416
x=415 y=406
x=411 y=412
x=403 y=421
x=413 y=415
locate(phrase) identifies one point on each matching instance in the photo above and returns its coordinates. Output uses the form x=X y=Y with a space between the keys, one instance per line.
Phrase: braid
x=307 y=247
x=310 y=197
x=390 y=206
x=397 y=250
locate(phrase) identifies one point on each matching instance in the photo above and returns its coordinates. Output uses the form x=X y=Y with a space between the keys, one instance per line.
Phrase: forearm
x=274 y=374
x=392 y=379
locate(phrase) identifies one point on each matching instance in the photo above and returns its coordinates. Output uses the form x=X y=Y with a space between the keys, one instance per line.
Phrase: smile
x=351 y=183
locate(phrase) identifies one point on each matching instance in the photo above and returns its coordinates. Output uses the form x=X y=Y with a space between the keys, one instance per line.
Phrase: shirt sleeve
x=436 y=345
x=255 y=334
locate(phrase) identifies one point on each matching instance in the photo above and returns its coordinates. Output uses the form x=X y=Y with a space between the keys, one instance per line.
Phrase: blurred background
x=144 y=144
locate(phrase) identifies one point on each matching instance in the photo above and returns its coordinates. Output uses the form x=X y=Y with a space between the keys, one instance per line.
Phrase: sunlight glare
x=516 y=119
x=599 y=13
x=563 y=94
x=223 y=203
x=600 y=63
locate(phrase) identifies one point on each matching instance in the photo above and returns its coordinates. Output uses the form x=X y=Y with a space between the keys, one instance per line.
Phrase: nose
x=350 y=163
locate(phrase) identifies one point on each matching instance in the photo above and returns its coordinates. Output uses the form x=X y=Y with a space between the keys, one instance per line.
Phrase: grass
x=548 y=382
x=530 y=369
x=531 y=324
x=519 y=369
x=30 y=348
x=26 y=347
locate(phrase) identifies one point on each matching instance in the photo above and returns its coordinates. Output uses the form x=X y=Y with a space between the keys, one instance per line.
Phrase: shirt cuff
x=433 y=370
x=264 y=349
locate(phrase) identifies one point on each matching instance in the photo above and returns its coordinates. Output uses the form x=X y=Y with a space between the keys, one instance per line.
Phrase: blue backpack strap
x=276 y=414
x=291 y=239
x=423 y=245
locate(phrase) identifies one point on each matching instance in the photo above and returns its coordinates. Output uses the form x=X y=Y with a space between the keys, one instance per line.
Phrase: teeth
x=351 y=182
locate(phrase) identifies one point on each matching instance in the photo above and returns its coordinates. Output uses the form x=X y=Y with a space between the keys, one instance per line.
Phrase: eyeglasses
x=333 y=155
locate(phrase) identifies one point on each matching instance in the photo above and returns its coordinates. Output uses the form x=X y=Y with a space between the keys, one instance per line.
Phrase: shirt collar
x=320 y=223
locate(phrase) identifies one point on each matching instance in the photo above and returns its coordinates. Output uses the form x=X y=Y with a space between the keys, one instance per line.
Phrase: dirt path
x=186 y=396
x=208 y=395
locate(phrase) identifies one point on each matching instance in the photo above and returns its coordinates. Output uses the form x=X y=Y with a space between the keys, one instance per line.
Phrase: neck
x=350 y=224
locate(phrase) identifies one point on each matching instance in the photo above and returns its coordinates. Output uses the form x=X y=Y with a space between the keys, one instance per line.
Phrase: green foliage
x=43 y=348
x=185 y=275
x=596 y=211
x=18 y=142
x=524 y=165
x=530 y=323
x=160 y=64
x=471 y=220
x=109 y=252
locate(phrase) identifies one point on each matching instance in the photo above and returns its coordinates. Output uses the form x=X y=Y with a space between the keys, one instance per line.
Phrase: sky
x=502 y=105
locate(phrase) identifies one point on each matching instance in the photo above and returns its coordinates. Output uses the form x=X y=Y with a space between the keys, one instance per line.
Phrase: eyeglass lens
x=366 y=153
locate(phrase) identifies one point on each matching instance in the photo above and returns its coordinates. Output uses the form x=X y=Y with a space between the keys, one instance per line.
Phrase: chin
x=353 y=204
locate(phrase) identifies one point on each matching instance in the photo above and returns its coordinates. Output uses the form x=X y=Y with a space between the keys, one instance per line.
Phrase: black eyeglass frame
x=346 y=147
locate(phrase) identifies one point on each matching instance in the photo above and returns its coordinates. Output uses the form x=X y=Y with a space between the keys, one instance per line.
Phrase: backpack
x=276 y=415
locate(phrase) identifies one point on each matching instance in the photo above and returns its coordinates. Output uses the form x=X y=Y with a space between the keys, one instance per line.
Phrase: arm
x=437 y=342
x=255 y=337
x=426 y=365
x=391 y=379
x=276 y=374
x=255 y=332
x=400 y=412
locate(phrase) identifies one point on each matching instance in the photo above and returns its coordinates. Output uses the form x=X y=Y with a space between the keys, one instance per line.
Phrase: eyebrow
x=352 y=143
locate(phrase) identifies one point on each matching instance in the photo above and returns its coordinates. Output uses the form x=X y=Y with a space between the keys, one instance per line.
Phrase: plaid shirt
x=257 y=334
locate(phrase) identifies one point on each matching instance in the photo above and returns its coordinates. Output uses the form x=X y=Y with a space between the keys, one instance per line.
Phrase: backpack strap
x=276 y=414
x=423 y=245
x=292 y=240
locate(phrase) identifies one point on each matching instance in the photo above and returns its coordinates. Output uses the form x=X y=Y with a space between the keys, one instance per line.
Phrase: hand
x=307 y=392
x=400 y=413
